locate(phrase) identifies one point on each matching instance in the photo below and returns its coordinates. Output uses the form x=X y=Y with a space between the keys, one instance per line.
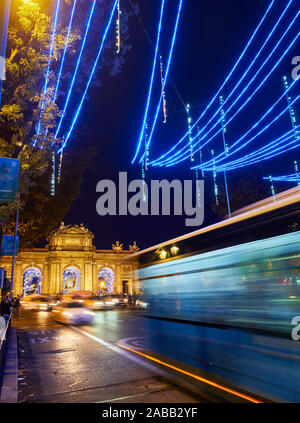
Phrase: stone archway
x=106 y=278
x=32 y=279
x=71 y=279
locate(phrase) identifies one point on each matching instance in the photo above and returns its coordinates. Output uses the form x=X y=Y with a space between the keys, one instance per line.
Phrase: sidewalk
x=9 y=388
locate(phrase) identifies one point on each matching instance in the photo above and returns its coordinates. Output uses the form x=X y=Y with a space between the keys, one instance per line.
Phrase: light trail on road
x=201 y=379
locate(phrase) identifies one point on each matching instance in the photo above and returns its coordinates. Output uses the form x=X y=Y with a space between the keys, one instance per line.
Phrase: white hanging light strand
x=163 y=91
x=216 y=189
x=189 y=120
x=118 y=29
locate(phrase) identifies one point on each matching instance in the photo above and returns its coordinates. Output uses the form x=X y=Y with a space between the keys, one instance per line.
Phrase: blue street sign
x=8 y=245
x=9 y=175
x=4 y=20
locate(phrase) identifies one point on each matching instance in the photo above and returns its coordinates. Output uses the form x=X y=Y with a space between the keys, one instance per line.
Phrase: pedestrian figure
x=134 y=298
x=16 y=307
x=5 y=308
x=129 y=300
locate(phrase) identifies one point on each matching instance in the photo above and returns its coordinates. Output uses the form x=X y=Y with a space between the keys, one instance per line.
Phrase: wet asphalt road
x=65 y=364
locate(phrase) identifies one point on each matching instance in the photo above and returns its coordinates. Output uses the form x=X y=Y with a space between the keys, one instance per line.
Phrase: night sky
x=211 y=36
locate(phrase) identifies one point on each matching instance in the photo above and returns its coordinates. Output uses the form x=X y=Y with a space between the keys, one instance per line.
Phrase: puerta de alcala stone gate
x=70 y=262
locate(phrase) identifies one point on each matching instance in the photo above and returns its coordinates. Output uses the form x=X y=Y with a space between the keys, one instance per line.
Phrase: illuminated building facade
x=70 y=262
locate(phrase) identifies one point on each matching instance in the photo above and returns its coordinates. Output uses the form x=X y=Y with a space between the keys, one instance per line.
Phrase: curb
x=9 y=389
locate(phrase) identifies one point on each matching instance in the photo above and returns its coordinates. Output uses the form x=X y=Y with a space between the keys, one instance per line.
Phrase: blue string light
x=151 y=81
x=183 y=157
x=260 y=155
x=225 y=81
x=91 y=76
x=261 y=152
x=65 y=51
x=222 y=157
x=166 y=74
x=247 y=86
x=62 y=63
x=295 y=177
x=47 y=72
x=240 y=109
x=77 y=67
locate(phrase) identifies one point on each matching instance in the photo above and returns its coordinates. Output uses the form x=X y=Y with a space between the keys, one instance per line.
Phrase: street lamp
x=4 y=19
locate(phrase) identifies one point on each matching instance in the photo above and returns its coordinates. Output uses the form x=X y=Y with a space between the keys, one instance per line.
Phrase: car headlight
x=65 y=313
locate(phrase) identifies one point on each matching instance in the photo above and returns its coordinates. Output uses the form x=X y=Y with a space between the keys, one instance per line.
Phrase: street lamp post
x=4 y=19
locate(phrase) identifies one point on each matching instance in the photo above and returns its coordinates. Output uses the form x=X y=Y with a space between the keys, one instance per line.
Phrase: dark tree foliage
x=29 y=40
x=244 y=191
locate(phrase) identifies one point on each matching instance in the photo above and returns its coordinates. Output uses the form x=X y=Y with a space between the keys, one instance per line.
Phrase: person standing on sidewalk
x=6 y=308
x=16 y=307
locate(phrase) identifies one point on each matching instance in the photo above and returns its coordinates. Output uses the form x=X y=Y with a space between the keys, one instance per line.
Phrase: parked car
x=96 y=302
x=73 y=313
x=118 y=300
x=39 y=302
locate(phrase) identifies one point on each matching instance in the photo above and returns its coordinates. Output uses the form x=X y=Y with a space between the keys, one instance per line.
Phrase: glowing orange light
x=201 y=379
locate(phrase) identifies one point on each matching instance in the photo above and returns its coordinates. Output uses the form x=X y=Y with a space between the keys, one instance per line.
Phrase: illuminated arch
x=32 y=281
x=71 y=280
x=106 y=278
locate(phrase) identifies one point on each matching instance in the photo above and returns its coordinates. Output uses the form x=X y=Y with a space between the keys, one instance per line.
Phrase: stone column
x=95 y=277
x=118 y=277
x=53 y=286
x=45 y=280
x=18 y=288
x=59 y=276
x=88 y=274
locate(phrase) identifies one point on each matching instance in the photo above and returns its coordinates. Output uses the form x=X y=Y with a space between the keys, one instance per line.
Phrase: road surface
x=100 y=363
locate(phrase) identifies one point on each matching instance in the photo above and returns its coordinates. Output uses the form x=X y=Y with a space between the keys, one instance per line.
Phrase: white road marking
x=122 y=352
x=124 y=398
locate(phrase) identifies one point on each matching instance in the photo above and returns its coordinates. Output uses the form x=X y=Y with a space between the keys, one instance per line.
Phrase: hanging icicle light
x=163 y=92
x=145 y=162
x=146 y=147
x=216 y=189
x=291 y=109
x=226 y=151
x=53 y=175
x=60 y=165
x=189 y=120
x=297 y=171
x=200 y=152
x=118 y=29
x=272 y=187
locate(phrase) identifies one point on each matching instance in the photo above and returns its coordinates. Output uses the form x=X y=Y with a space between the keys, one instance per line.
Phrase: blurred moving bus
x=240 y=276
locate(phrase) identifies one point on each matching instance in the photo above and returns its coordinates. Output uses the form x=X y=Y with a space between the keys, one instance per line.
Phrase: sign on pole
x=8 y=245
x=9 y=175
x=2 y=277
x=4 y=20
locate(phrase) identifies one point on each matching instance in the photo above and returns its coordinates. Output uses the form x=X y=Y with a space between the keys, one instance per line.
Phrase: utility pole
x=4 y=20
x=15 y=248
